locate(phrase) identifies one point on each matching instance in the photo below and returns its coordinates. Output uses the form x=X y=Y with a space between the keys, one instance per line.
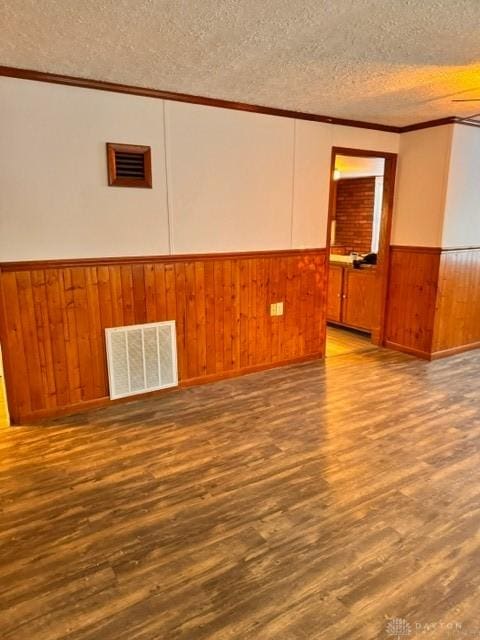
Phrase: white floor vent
x=141 y=358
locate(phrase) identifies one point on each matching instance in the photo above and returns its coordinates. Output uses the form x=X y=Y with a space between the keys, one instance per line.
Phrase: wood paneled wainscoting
x=54 y=315
x=433 y=305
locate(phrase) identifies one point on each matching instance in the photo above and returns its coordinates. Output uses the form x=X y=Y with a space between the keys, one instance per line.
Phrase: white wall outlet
x=279 y=308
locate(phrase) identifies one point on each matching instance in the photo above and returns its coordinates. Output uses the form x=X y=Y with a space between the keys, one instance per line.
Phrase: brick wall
x=354 y=213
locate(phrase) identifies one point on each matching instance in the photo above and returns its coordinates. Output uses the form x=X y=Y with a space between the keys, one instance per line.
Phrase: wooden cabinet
x=352 y=297
x=359 y=298
x=334 y=295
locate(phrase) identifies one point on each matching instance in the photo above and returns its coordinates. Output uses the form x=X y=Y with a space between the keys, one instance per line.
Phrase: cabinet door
x=359 y=291
x=334 y=293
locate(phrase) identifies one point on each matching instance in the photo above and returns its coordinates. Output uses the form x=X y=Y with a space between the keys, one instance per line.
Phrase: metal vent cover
x=141 y=358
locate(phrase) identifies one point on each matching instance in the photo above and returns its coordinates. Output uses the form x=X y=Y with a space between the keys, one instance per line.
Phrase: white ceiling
x=388 y=61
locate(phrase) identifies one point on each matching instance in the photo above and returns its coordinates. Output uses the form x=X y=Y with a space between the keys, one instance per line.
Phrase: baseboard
x=89 y=405
x=433 y=355
x=424 y=355
x=445 y=353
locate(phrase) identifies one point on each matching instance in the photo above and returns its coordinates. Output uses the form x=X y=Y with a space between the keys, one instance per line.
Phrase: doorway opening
x=358 y=241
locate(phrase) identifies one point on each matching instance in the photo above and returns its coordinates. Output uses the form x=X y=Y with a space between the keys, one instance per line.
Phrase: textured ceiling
x=388 y=61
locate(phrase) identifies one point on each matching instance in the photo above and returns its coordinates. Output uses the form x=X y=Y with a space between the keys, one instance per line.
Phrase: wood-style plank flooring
x=309 y=502
x=342 y=341
x=4 y=419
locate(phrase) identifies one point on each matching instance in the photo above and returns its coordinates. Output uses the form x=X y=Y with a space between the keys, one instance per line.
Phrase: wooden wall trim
x=459 y=249
x=412 y=351
x=64 y=263
x=453 y=351
x=415 y=249
x=438 y=123
x=431 y=250
x=100 y=85
x=428 y=124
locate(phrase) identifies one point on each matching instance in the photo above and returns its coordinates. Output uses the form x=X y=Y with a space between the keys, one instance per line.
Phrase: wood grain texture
x=4 y=417
x=353 y=297
x=55 y=317
x=296 y=504
x=360 y=302
x=334 y=293
x=411 y=299
x=342 y=341
x=434 y=300
x=457 y=320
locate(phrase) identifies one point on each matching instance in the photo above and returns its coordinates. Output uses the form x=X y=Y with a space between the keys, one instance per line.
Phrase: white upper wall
x=313 y=151
x=54 y=198
x=367 y=139
x=421 y=187
x=237 y=181
x=462 y=211
x=229 y=179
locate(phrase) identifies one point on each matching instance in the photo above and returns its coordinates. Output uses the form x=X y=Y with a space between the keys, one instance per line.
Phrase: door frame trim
x=378 y=332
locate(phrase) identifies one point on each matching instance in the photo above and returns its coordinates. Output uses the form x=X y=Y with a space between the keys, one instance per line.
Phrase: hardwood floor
x=341 y=341
x=4 y=420
x=309 y=502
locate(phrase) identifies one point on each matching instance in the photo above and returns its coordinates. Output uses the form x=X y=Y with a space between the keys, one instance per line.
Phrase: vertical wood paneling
x=433 y=306
x=31 y=345
x=180 y=307
x=457 y=322
x=228 y=319
x=191 y=346
x=126 y=280
x=118 y=318
x=244 y=311
x=56 y=315
x=56 y=310
x=96 y=333
x=210 y=310
x=219 y=315
x=43 y=337
x=139 y=298
x=71 y=337
x=411 y=300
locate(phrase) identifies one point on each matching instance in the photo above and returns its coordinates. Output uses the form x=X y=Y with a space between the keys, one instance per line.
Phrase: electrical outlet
x=276 y=309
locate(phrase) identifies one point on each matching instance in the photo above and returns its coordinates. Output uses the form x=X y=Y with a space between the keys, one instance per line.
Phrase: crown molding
x=101 y=85
x=440 y=122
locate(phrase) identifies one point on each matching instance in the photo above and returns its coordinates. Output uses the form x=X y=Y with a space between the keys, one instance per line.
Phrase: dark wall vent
x=129 y=165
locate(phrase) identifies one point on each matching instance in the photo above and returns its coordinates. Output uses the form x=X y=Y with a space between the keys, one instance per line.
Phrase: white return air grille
x=141 y=358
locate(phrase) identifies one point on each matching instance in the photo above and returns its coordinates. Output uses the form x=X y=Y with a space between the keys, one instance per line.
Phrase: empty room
x=239 y=319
